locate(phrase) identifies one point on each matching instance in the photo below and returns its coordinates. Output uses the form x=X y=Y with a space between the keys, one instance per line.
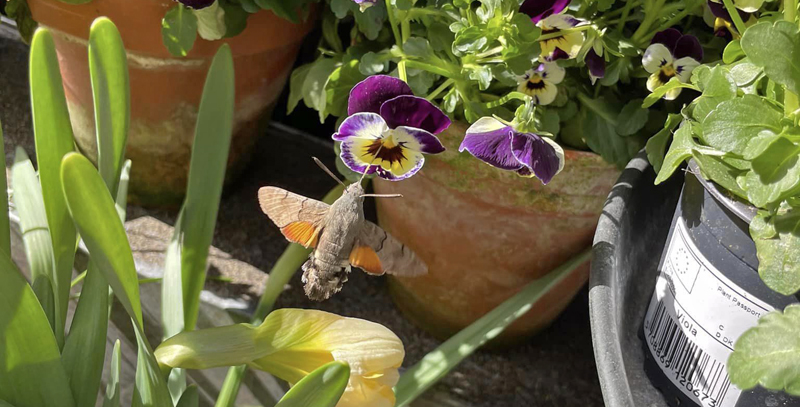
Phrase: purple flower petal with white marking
x=196 y=4
x=540 y=9
x=565 y=42
x=389 y=129
x=596 y=65
x=369 y=94
x=501 y=146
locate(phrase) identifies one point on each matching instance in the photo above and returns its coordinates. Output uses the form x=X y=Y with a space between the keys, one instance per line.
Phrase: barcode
x=698 y=372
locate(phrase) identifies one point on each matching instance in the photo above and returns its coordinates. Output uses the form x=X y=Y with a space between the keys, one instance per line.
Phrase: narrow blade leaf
x=321 y=388
x=206 y=175
x=189 y=398
x=5 y=230
x=31 y=373
x=111 y=398
x=53 y=136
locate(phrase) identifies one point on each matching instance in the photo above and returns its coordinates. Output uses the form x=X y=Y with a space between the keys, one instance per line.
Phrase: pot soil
x=166 y=91
x=664 y=326
x=485 y=233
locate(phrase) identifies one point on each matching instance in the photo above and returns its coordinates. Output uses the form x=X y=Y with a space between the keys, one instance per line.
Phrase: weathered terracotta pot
x=485 y=233
x=166 y=91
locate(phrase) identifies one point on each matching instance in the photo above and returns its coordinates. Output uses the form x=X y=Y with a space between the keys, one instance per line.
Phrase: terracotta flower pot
x=485 y=233
x=166 y=91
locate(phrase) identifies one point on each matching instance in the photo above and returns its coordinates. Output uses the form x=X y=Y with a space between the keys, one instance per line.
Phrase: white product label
x=695 y=316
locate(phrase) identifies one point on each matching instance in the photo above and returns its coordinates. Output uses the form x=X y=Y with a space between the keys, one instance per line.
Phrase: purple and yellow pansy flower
x=503 y=147
x=718 y=17
x=671 y=54
x=541 y=9
x=547 y=14
x=540 y=82
x=388 y=129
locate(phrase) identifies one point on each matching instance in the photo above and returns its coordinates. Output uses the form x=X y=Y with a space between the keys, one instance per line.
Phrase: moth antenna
x=383 y=195
x=366 y=170
x=329 y=172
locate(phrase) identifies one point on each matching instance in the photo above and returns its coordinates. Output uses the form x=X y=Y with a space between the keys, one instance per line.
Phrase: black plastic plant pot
x=674 y=283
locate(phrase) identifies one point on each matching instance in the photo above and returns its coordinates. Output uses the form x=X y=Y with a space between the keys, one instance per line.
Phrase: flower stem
x=790 y=101
x=507 y=98
x=448 y=355
x=430 y=68
x=398 y=38
x=651 y=11
x=737 y=19
x=674 y=20
x=446 y=84
x=283 y=270
x=624 y=18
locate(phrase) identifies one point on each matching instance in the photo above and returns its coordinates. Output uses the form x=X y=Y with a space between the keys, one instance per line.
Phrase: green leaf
x=235 y=18
x=372 y=63
x=775 y=172
x=745 y=73
x=471 y=40
x=716 y=169
x=5 y=229
x=179 y=30
x=338 y=86
x=599 y=131
x=679 y=151
x=417 y=47
x=21 y=13
x=734 y=122
x=662 y=90
x=760 y=43
x=769 y=353
x=717 y=87
x=321 y=388
x=108 y=68
x=436 y=364
x=111 y=397
x=211 y=22
x=371 y=21
x=733 y=52
x=657 y=145
x=190 y=397
x=296 y=84
x=314 y=93
x=632 y=118
x=53 y=135
x=206 y=176
x=30 y=364
x=35 y=233
x=779 y=255
x=98 y=222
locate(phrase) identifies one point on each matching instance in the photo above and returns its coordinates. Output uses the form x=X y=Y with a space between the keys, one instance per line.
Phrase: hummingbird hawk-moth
x=340 y=235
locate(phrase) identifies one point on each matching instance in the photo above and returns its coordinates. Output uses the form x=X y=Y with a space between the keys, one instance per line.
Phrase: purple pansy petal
x=539 y=9
x=668 y=37
x=596 y=65
x=396 y=174
x=350 y=157
x=361 y=125
x=557 y=54
x=688 y=46
x=417 y=140
x=560 y=21
x=720 y=11
x=369 y=94
x=415 y=112
x=196 y=4
x=535 y=153
x=490 y=141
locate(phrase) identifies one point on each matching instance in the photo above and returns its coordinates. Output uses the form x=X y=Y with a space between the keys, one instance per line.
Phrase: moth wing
x=300 y=218
x=377 y=252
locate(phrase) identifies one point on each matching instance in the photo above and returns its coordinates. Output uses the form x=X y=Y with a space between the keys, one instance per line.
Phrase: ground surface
x=555 y=368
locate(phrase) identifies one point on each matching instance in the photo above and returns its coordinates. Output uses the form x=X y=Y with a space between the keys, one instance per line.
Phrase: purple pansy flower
x=722 y=22
x=388 y=129
x=365 y=4
x=501 y=146
x=540 y=82
x=596 y=64
x=196 y=4
x=540 y=9
x=671 y=54
x=566 y=44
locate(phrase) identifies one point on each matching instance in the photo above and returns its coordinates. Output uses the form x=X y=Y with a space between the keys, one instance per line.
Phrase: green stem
x=430 y=68
x=446 y=84
x=448 y=355
x=283 y=270
x=618 y=11
x=416 y=12
x=674 y=20
x=737 y=19
x=652 y=12
x=790 y=101
x=398 y=38
x=624 y=18
x=507 y=98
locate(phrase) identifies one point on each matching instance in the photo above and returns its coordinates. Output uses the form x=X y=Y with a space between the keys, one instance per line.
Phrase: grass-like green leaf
x=98 y=222
x=31 y=373
x=439 y=362
x=321 y=388
x=206 y=175
x=35 y=233
x=111 y=398
x=53 y=136
x=108 y=68
x=189 y=398
x=769 y=353
x=5 y=229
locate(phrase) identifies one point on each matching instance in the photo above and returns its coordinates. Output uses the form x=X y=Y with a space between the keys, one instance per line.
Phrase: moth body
x=327 y=268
